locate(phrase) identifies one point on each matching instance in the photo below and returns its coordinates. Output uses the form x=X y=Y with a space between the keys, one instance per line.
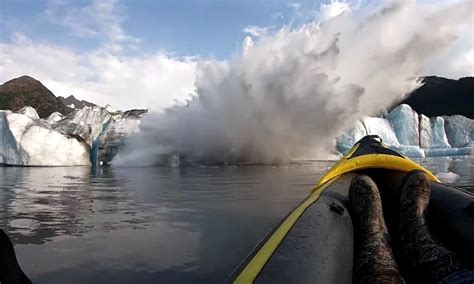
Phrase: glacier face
x=432 y=133
x=54 y=117
x=30 y=112
x=381 y=127
x=404 y=122
x=94 y=135
x=345 y=141
x=86 y=136
x=414 y=135
x=29 y=142
x=459 y=130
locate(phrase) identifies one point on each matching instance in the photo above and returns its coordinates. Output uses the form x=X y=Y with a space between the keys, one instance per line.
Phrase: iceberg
x=426 y=135
x=438 y=133
x=382 y=128
x=30 y=112
x=115 y=131
x=54 y=117
x=103 y=129
x=9 y=152
x=433 y=139
x=432 y=133
x=404 y=122
x=459 y=130
x=92 y=135
x=414 y=135
x=29 y=142
x=349 y=138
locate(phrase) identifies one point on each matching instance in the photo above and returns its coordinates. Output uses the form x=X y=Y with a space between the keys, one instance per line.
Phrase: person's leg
x=374 y=261
x=426 y=257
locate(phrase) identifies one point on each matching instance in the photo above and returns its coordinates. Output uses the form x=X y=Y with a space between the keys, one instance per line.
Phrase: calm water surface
x=144 y=225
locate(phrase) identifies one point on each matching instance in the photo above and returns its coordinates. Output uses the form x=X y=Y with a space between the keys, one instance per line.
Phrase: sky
x=185 y=28
x=143 y=53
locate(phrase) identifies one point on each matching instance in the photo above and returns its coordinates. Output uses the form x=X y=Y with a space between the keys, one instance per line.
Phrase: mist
x=290 y=92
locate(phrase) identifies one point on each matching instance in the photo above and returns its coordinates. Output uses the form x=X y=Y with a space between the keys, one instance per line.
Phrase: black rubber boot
x=374 y=261
x=426 y=258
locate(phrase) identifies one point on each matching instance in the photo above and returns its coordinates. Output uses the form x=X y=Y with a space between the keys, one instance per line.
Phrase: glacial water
x=149 y=224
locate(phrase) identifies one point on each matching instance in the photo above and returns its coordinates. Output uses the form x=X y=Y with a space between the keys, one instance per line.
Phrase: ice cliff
x=90 y=135
x=414 y=134
x=94 y=135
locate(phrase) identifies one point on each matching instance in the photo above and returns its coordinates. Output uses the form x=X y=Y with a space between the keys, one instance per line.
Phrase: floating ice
x=410 y=151
x=447 y=177
x=438 y=152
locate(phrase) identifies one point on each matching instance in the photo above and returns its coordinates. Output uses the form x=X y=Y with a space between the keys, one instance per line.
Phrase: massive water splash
x=289 y=93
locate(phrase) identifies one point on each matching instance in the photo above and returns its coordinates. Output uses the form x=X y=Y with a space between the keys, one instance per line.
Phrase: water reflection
x=144 y=224
x=456 y=170
x=40 y=203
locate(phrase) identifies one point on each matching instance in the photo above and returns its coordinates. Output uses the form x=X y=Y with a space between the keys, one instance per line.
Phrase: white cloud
x=248 y=43
x=256 y=31
x=294 y=5
x=101 y=19
x=458 y=61
x=333 y=9
x=102 y=77
x=278 y=16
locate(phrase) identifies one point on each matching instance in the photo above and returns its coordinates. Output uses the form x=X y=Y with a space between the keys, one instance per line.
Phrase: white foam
x=289 y=93
x=447 y=177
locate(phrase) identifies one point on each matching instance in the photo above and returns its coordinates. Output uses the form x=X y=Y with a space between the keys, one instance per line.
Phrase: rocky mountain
x=27 y=91
x=440 y=96
x=74 y=103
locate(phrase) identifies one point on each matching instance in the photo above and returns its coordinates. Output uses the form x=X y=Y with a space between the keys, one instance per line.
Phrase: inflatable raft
x=314 y=243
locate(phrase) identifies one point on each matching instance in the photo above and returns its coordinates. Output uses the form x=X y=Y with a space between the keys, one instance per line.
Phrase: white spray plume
x=291 y=92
